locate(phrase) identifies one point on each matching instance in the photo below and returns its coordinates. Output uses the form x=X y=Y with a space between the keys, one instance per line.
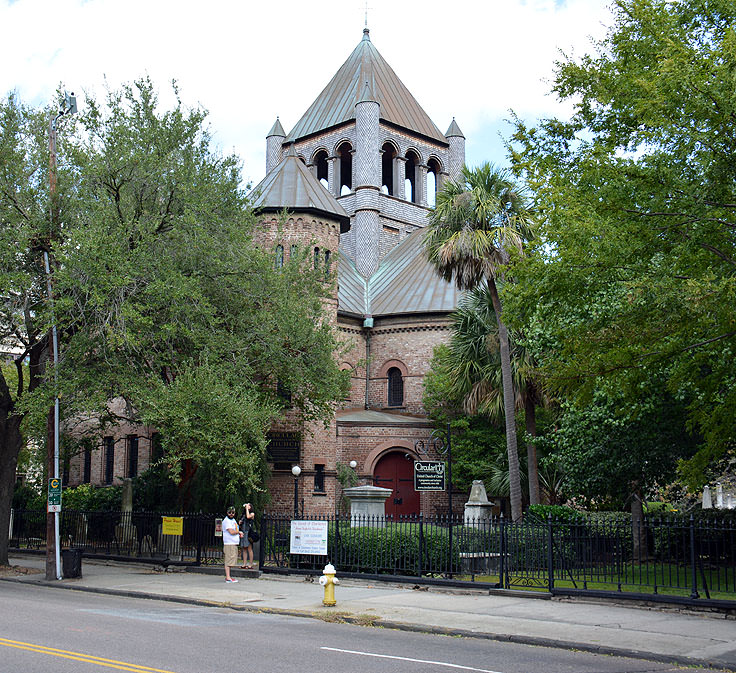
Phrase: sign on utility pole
x=54 y=498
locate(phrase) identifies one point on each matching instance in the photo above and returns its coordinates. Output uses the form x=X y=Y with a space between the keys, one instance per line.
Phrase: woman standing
x=246 y=522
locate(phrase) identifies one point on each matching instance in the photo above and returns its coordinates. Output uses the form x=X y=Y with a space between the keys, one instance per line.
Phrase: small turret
x=457 y=150
x=274 y=143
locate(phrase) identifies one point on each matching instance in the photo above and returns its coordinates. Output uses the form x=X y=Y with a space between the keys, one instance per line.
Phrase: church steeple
x=336 y=104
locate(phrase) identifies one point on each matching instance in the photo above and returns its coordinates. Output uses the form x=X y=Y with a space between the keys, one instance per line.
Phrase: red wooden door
x=396 y=471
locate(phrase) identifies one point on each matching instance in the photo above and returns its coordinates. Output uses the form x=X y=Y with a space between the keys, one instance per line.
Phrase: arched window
x=320 y=166
x=328 y=261
x=410 y=190
x=345 y=153
x=293 y=250
x=388 y=157
x=395 y=387
x=279 y=261
x=316 y=258
x=433 y=173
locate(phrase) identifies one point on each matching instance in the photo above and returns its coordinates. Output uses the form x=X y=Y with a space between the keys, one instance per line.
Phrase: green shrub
x=88 y=498
x=541 y=513
x=391 y=550
x=27 y=498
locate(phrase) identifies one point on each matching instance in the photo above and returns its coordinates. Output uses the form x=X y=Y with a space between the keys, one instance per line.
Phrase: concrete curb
x=347 y=618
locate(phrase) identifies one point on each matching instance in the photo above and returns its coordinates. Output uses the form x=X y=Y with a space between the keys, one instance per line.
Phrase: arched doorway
x=395 y=470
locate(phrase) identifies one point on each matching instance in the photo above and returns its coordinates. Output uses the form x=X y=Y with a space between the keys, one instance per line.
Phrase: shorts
x=244 y=541
x=231 y=554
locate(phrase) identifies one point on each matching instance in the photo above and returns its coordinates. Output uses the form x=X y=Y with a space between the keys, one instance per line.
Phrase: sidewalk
x=650 y=633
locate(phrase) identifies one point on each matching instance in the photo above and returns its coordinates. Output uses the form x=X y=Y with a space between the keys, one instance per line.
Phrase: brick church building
x=357 y=175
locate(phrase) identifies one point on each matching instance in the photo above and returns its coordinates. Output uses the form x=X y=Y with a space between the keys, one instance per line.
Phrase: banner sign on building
x=283 y=447
x=429 y=475
x=308 y=537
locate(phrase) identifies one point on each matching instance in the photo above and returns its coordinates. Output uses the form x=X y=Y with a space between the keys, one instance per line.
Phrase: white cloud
x=248 y=62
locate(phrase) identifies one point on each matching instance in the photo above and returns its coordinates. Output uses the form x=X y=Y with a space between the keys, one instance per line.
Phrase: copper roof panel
x=407 y=283
x=336 y=103
x=351 y=287
x=290 y=184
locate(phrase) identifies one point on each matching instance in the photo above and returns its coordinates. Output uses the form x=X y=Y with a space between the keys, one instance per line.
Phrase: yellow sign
x=172 y=525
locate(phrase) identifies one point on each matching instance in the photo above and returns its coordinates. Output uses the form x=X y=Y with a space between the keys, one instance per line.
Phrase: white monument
x=367 y=505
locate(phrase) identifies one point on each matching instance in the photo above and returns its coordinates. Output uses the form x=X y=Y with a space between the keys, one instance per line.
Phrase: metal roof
x=336 y=104
x=405 y=282
x=453 y=131
x=276 y=130
x=291 y=185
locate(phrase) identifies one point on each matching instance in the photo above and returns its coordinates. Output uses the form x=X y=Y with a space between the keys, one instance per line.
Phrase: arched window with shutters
x=395 y=387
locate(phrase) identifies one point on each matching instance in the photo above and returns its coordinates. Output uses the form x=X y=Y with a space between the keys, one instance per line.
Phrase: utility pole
x=53 y=552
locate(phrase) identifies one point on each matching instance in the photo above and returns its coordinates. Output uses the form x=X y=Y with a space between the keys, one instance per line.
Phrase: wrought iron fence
x=676 y=556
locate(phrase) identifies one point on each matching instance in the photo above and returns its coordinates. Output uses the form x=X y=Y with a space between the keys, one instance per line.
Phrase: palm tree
x=477 y=221
x=475 y=366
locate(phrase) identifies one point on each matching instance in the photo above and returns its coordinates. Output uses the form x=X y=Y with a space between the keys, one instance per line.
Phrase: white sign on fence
x=308 y=537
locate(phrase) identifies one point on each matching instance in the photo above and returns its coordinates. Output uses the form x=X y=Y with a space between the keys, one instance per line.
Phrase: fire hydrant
x=328 y=581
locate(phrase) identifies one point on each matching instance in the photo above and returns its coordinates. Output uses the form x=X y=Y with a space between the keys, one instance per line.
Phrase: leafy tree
x=633 y=276
x=162 y=298
x=613 y=453
x=477 y=222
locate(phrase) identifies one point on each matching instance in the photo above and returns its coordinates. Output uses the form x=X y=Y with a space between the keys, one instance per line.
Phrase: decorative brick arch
x=342 y=141
x=381 y=450
x=414 y=150
x=321 y=148
x=434 y=157
x=383 y=371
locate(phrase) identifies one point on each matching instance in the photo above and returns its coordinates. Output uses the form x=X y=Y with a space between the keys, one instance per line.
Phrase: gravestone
x=478 y=509
x=707 y=500
x=125 y=531
x=367 y=505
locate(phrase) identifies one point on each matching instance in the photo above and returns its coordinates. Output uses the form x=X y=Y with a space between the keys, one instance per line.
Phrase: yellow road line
x=78 y=656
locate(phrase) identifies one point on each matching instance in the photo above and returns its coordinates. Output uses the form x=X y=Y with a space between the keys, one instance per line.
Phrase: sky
x=248 y=62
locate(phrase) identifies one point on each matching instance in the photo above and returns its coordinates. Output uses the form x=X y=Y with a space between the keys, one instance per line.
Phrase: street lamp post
x=296 y=471
x=53 y=559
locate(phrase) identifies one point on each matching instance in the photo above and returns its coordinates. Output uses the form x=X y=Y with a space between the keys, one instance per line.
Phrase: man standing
x=230 y=540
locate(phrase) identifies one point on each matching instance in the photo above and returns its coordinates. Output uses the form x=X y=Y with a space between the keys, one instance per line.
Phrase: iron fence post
x=550 y=555
x=502 y=565
x=421 y=544
x=199 y=527
x=693 y=568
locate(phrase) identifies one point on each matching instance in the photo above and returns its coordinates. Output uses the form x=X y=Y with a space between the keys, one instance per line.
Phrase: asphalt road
x=44 y=630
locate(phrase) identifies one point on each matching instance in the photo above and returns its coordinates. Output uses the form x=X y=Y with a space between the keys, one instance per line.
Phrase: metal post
x=449 y=490
x=70 y=106
x=693 y=570
x=550 y=555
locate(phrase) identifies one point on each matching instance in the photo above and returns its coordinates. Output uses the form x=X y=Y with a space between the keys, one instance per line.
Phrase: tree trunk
x=530 y=417
x=638 y=531
x=11 y=442
x=508 y=406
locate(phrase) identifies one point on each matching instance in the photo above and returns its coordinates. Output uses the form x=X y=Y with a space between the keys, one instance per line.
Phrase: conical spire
x=336 y=104
x=276 y=130
x=454 y=130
